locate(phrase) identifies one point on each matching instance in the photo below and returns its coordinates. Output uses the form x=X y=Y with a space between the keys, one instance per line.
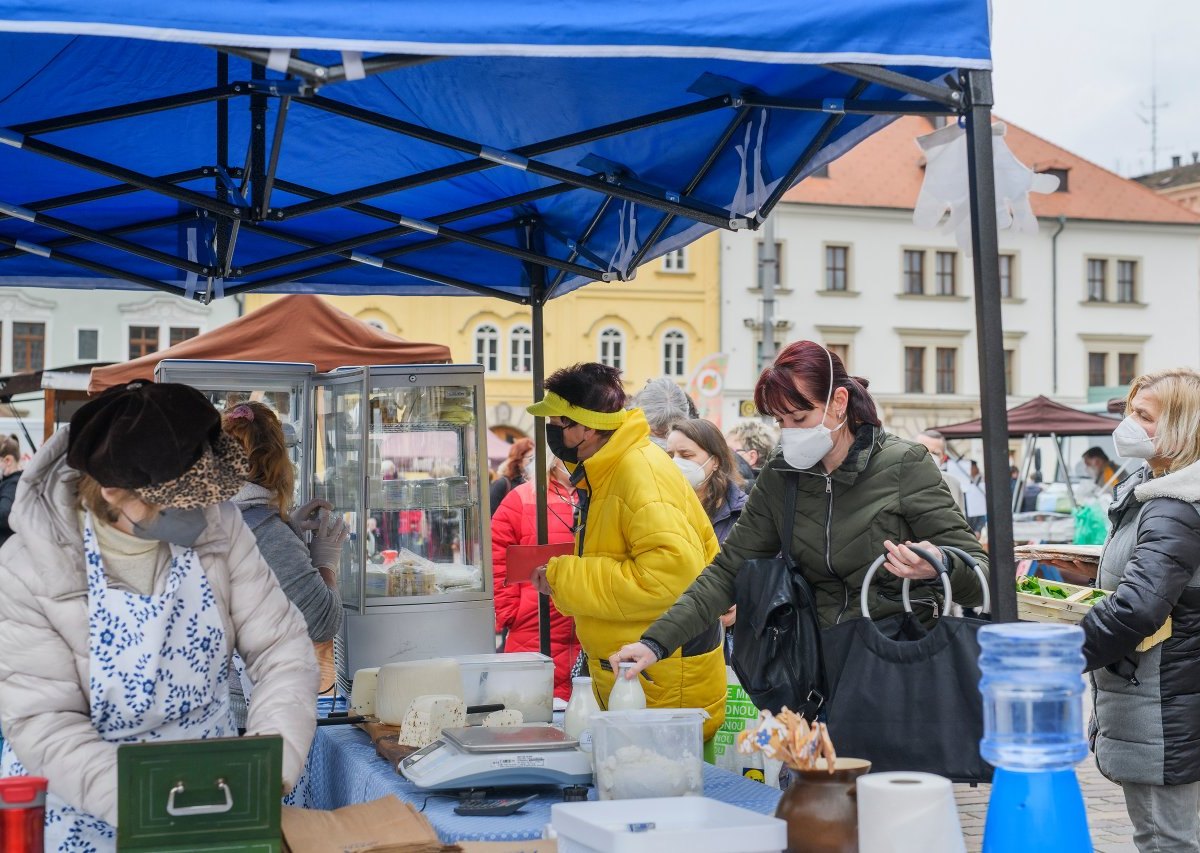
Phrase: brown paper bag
x=386 y=825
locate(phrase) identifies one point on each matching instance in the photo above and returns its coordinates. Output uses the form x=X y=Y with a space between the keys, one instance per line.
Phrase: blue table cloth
x=343 y=769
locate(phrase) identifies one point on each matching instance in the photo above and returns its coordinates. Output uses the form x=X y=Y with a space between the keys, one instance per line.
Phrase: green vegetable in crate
x=1051 y=591
x=1095 y=596
x=1029 y=585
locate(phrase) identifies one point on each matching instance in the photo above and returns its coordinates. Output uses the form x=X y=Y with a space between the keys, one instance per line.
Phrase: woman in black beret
x=128 y=584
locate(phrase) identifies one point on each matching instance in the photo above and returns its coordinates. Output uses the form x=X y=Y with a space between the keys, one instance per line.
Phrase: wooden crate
x=1072 y=609
x=1038 y=608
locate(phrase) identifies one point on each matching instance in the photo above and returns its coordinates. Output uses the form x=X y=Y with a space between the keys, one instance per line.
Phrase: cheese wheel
x=400 y=683
x=362 y=692
x=428 y=715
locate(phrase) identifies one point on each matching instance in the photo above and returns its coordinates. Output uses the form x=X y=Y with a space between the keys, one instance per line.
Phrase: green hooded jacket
x=887 y=488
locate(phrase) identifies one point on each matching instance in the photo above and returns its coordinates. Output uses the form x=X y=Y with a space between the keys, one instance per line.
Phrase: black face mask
x=177 y=526
x=558 y=445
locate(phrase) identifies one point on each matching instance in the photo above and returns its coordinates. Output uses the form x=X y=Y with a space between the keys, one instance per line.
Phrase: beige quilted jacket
x=44 y=699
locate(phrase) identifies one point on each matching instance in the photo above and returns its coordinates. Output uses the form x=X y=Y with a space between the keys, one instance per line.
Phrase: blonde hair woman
x=1146 y=727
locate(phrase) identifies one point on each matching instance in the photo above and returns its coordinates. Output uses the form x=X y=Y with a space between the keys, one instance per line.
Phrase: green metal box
x=220 y=794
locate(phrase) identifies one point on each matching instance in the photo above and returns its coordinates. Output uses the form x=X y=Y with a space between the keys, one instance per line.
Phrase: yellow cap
x=553 y=405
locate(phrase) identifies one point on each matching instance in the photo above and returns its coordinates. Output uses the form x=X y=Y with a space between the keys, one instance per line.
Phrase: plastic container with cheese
x=522 y=681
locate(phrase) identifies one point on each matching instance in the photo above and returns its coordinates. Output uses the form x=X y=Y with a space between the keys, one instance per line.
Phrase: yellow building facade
x=664 y=322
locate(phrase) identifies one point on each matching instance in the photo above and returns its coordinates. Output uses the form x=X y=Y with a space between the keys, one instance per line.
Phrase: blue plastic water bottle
x=1033 y=735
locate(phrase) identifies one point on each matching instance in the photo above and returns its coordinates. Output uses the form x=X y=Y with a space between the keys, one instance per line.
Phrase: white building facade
x=1090 y=302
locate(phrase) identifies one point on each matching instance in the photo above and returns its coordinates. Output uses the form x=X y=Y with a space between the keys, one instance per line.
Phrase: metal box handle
x=187 y=811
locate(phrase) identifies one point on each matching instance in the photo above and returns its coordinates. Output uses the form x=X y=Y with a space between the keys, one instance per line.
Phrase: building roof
x=1169 y=179
x=886 y=170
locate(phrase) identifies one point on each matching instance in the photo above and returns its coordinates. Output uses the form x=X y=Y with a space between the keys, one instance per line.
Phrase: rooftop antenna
x=1154 y=106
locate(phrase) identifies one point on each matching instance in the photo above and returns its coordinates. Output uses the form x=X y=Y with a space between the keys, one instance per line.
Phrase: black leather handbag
x=905 y=697
x=776 y=639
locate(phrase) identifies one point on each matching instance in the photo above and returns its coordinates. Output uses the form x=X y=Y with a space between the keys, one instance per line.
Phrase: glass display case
x=400 y=453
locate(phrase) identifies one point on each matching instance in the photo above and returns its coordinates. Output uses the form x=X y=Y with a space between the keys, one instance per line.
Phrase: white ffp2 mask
x=1132 y=441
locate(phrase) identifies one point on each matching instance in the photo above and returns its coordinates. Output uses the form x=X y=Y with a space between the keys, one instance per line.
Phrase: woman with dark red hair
x=517 y=469
x=861 y=492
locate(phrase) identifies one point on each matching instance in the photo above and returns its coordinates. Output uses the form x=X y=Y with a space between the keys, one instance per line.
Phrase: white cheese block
x=401 y=683
x=362 y=693
x=503 y=719
x=428 y=715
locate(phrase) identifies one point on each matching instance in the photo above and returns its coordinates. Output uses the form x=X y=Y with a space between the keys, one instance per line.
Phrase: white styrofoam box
x=667 y=825
x=522 y=681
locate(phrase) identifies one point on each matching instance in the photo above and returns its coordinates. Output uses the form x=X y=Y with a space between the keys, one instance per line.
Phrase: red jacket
x=515 y=523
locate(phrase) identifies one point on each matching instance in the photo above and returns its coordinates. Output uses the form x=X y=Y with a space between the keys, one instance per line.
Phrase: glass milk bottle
x=580 y=709
x=627 y=693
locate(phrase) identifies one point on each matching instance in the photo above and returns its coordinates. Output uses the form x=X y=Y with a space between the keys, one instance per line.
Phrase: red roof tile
x=885 y=170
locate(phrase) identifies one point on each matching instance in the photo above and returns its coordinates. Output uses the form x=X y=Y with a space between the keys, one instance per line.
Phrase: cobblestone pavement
x=1107 y=819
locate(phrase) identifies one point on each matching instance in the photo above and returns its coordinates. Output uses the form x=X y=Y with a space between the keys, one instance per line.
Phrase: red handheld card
x=521 y=560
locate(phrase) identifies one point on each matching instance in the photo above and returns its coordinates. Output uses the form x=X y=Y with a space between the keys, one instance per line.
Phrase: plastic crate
x=667 y=825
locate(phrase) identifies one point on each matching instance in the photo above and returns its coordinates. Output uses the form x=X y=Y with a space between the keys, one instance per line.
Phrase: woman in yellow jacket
x=643 y=537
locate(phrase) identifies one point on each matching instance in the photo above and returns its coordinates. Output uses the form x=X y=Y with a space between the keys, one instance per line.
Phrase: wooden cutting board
x=387 y=742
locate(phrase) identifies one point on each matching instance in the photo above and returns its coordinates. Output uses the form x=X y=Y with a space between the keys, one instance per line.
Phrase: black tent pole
x=977 y=86
x=537 y=299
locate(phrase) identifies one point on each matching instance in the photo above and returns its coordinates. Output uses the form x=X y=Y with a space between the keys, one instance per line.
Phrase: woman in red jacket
x=515 y=523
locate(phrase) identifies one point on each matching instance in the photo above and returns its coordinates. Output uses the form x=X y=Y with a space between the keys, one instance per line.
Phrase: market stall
x=515 y=151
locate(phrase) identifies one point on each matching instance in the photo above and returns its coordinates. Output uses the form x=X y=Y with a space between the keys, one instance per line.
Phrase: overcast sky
x=1078 y=73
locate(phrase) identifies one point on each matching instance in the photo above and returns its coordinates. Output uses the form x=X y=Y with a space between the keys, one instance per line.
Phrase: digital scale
x=513 y=756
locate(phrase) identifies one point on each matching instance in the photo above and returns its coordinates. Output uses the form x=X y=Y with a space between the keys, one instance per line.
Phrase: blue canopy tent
x=513 y=150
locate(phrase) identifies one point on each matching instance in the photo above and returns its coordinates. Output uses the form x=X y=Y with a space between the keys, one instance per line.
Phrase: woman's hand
x=307 y=517
x=903 y=562
x=538 y=578
x=1081 y=572
x=638 y=653
x=729 y=617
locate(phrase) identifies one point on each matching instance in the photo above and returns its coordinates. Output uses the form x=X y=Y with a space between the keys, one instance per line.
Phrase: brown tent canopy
x=299 y=328
x=1039 y=416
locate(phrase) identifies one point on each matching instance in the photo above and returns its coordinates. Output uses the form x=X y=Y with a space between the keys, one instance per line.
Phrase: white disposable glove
x=327 y=540
x=306 y=517
x=945 y=192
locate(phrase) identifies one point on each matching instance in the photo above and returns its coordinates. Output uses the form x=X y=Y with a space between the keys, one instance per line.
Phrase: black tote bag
x=776 y=638
x=905 y=697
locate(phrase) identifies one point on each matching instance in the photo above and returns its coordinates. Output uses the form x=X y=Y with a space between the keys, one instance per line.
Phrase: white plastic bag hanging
x=943 y=200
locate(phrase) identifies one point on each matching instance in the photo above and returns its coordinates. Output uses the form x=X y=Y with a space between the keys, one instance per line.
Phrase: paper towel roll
x=907 y=813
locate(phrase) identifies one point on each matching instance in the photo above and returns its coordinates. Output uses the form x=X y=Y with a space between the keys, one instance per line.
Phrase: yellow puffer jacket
x=646 y=538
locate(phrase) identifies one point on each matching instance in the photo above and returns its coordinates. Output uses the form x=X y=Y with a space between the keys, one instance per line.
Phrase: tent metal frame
x=242 y=200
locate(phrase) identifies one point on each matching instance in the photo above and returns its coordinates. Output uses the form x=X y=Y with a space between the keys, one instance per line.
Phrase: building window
x=1006 y=277
x=914 y=272
x=1009 y=386
x=836 y=258
x=946 y=261
x=674 y=354
x=1127 y=367
x=675 y=261
x=179 y=334
x=914 y=370
x=1097 y=369
x=1127 y=281
x=143 y=340
x=612 y=348
x=1061 y=174
x=87 y=345
x=521 y=349
x=29 y=347
x=1097 y=272
x=842 y=351
x=487 y=348
x=947 y=370
x=778 y=263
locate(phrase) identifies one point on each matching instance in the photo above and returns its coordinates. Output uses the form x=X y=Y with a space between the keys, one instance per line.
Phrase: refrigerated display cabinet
x=399 y=450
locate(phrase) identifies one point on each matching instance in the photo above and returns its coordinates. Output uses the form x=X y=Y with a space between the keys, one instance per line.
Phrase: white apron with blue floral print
x=158 y=670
